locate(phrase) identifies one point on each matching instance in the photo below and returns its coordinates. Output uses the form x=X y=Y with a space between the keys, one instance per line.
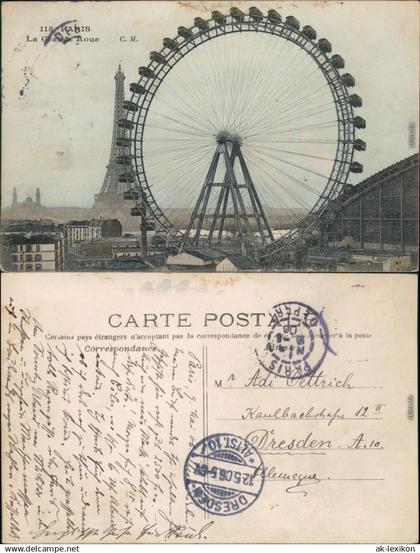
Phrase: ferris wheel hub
x=224 y=137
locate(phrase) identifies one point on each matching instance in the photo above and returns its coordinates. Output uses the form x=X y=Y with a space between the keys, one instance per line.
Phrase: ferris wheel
x=241 y=130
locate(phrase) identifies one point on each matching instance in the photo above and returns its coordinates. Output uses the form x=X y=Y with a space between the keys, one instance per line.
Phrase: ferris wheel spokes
x=285 y=99
x=251 y=224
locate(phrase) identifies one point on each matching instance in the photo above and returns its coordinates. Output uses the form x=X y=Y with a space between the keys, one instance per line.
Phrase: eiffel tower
x=112 y=190
x=236 y=199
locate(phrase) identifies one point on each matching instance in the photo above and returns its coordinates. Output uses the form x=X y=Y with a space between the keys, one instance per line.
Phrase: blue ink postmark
x=297 y=342
x=220 y=474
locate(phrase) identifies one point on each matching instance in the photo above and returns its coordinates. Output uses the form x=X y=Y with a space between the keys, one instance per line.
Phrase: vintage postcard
x=164 y=166
x=210 y=136
x=209 y=408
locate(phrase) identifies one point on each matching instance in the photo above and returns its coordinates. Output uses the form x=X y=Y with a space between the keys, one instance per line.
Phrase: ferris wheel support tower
x=251 y=223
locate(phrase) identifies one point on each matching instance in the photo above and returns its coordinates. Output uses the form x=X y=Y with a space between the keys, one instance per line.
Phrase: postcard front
x=184 y=136
x=269 y=408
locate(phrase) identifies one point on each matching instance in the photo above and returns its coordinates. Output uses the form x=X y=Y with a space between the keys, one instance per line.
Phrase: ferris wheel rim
x=340 y=98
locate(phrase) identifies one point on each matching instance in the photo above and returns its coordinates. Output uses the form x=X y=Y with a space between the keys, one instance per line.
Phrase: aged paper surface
x=208 y=408
x=251 y=408
x=169 y=136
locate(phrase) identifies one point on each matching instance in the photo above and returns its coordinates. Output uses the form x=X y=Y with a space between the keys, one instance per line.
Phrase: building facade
x=127 y=247
x=379 y=214
x=34 y=252
x=95 y=229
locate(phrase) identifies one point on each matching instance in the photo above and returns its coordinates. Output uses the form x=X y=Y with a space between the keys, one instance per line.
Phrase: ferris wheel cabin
x=146 y=72
x=137 y=211
x=201 y=23
x=348 y=80
x=137 y=88
x=123 y=160
x=218 y=17
x=324 y=45
x=292 y=22
x=125 y=124
x=131 y=195
x=359 y=145
x=123 y=142
x=255 y=13
x=185 y=33
x=356 y=167
x=337 y=61
x=355 y=101
x=359 y=122
x=170 y=43
x=309 y=32
x=237 y=14
x=158 y=58
x=126 y=177
x=274 y=16
x=130 y=106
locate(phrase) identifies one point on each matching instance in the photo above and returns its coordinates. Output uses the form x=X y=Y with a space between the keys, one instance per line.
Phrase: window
x=28 y=267
x=352 y=228
x=392 y=186
x=410 y=207
x=28 y=248
x=391 y=232
x=410 y=182
x=370 y=231
x=28 y=257
x=391 y=208
x=38 y=257
x=370 y=204
x=38 y=267
x=352 y=210
x=411 y=233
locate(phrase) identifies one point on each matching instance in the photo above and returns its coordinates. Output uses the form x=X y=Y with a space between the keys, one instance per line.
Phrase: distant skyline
x=58 y=99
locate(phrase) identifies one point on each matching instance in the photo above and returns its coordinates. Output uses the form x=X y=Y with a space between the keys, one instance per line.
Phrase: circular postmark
x=223 y=475
x=297 y=342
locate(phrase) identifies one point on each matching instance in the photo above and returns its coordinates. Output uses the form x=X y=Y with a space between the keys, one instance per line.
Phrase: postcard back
x=246 y=408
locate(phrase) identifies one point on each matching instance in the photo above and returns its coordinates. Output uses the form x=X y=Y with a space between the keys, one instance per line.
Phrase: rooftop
x=206 y=254
x=89 y=223
x=375 y=179
x=30 y=238
x=242 y=262
x=125 y=263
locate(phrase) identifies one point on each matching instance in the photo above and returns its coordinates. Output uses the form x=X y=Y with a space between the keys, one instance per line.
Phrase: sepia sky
x=58 y=99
